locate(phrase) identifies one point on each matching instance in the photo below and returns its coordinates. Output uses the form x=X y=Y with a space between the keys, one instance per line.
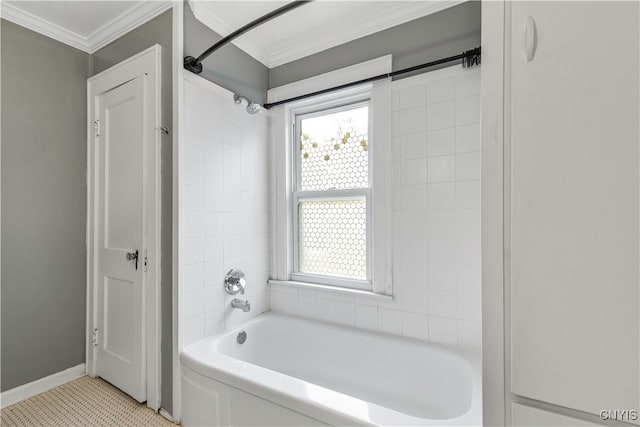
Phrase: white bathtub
x=292 y=371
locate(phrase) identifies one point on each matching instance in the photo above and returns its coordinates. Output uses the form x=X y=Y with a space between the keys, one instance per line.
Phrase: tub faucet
x=242 y=304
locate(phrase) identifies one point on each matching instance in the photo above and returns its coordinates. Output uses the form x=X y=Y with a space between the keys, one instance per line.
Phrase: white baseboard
x=33 y=388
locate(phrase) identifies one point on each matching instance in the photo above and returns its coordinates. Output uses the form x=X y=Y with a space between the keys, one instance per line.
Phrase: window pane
x=333 y=238
x=333 y=151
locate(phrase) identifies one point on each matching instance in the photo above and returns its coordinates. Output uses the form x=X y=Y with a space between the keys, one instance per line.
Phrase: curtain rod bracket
x=471 y=58
x=192 y=64
x=195 y=64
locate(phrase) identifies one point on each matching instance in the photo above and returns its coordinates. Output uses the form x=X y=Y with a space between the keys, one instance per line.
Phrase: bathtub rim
x=285 y=390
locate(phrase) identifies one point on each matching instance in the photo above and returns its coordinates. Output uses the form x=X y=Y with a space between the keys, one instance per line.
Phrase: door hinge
x=94 y=337
x=146 y=261
x=96 y=127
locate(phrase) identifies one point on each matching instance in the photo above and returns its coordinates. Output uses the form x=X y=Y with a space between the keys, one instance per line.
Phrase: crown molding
x=101 y=37
x=313 y=42
x=32 y=22
x=133 y=18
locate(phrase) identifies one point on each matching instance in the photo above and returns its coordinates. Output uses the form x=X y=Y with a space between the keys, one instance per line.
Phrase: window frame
x=339 y=104
x=281 y=154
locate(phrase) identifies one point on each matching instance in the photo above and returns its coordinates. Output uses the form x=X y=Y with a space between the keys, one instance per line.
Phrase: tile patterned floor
x=84 y=402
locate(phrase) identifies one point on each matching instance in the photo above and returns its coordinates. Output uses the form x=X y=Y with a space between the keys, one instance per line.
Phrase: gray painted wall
x=228 y=67
x=158 y=30
x=446 y=33
x=44 y=198
x=43 y=205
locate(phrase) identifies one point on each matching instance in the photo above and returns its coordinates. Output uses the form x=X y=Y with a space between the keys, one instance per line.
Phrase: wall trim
x=121 y=25
x=494 y=216
x=166 y=415
x=12 y=13
x=112 y=30
x=36 y=387
x=177 y=89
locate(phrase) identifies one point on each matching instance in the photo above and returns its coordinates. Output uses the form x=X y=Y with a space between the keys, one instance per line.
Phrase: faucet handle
x=234 y=281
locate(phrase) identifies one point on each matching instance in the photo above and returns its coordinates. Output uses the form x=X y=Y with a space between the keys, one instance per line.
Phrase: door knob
x=130 y=256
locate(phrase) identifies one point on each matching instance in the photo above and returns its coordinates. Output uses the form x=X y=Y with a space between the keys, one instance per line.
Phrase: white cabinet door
x=575 y=195
x=526 y=416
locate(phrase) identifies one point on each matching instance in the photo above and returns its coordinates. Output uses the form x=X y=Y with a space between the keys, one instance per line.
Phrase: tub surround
x=436 y=249
x=436 y=221
x=333 y=375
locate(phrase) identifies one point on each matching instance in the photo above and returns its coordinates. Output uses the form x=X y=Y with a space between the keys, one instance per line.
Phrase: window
x=331 y=184
x=332 y=196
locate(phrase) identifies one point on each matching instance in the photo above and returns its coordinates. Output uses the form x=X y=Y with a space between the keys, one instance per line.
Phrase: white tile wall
x=224 y=222
x=436 y=220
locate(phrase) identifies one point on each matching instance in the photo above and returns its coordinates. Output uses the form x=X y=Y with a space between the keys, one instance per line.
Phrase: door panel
x=575 y=205
x=118 y=315
x=124 y=156
x=120 y=207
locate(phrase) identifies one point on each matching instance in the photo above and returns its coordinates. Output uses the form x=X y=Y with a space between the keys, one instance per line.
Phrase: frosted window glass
x=334 y=151
x=333 y=238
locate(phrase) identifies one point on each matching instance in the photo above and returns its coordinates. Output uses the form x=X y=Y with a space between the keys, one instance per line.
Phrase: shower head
x=252 y=107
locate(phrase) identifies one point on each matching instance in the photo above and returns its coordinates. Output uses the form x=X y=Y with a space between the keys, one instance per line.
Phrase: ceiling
x=85 y=25
x=310 y=28
x=91 y=24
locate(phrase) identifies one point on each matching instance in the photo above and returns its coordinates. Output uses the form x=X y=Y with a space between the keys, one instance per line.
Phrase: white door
x=120 y=208
x=123 y=226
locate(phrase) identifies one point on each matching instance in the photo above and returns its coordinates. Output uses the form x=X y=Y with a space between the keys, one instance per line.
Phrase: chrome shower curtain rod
x=469 y=59
x=195 y=64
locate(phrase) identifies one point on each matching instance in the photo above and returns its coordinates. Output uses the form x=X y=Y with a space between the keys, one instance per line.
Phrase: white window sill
x=346 y=291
